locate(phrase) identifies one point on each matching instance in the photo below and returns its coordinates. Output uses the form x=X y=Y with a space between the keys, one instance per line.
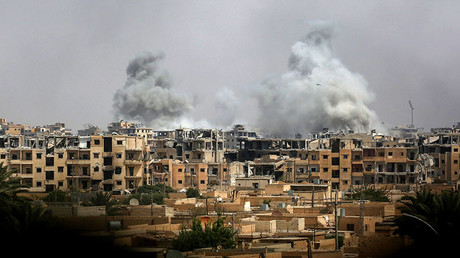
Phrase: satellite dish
x=133 y=201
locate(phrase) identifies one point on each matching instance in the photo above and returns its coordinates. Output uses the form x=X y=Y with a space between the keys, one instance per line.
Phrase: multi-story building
x=185 y=175
x=344 y=162
x=236 y=135
x=9 y=128
x=444 y=148
x=122 y=128
x=198 y=158
x=182 y=174
x=89 y=130
x=200 y=145
x=72 y=162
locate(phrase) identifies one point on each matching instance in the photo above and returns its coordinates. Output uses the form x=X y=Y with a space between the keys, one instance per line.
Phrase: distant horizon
x=247 y=128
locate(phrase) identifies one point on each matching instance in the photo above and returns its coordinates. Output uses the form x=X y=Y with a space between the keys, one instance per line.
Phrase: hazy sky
x=64 y=60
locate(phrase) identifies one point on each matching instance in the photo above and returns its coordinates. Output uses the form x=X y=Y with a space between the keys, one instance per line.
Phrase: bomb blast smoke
x=317 y=92
x=147 y=96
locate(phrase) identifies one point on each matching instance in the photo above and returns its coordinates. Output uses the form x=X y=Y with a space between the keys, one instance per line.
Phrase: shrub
x=192 y=193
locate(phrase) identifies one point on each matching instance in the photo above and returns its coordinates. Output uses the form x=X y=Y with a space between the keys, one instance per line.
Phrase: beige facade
x=186 y=175
x=127 y=162
x=355 y=167
x=84 y=163
x=342 y=162
x=445 y=150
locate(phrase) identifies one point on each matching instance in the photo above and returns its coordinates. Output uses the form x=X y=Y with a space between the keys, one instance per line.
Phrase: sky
x=63 y=61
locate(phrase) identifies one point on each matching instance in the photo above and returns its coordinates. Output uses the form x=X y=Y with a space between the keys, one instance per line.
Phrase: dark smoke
x=147 y=96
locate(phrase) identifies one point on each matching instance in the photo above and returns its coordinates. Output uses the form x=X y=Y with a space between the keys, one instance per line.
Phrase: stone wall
x=100 y=223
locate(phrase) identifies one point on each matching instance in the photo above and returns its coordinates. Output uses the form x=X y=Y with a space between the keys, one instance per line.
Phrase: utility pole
x=336 y=227
x=313 y=198
x=361 y=217
x=233 y=226
x=336 y=223
x=309 y=250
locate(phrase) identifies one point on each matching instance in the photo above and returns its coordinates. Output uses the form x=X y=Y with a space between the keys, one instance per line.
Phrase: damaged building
x=84 y=163
x=186 y=157
x=344 y=161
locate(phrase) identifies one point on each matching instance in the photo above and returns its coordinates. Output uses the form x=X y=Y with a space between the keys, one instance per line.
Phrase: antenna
x=412 y=113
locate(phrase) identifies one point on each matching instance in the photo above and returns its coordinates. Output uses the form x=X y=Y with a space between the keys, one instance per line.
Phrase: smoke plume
x=147 y=96
x=317 y=92
x=226 y=105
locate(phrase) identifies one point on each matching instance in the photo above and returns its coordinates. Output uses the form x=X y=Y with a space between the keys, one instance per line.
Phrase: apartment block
x=185 y=175
x=443 y=148
x=343 y=162
x=72 y=162
x=199 y=158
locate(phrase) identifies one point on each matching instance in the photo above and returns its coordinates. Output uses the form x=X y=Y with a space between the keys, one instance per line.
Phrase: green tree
x=148 y=194
x=105 y=199
x=371 y=194
x=11 y=205
x=158 y=188
x=18 y=218
x=58 y=196
x=431 y=219
x=192 y=193
x=213 y=235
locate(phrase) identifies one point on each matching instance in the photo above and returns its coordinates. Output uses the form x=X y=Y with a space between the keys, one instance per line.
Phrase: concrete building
x=89 y=130
x=200 y=145
x=342 y=161
x=10 y=128
x=444 y=150
x=236 y=135
x=72 y=162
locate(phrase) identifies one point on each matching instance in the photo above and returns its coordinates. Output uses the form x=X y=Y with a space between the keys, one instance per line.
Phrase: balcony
x=79 y=175
x=133 y=177
x=313 y=161
x=26 y=173
x=133 y=162
x=16 y=162
x=78 y=161
x=357 y=174
x=108 y=167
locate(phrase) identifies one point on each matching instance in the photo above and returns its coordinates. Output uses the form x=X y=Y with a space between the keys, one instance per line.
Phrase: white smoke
x=226 y=105
x=317 y=92
x=147 y=96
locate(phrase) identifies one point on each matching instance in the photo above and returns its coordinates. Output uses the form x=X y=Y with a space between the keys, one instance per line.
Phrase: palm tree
x=9 y=185
x=429 y=217
x=448 y=214
x=11 y=205
x=105 y=199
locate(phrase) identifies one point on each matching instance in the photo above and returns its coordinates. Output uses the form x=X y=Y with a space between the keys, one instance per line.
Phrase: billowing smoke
x=226 y=105
x=317 y=92
x=147 y=96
